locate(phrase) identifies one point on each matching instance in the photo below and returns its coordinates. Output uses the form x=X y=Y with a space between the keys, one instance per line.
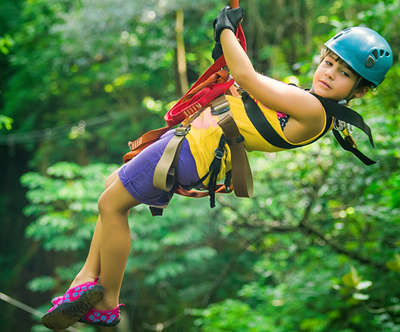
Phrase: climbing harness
x=240 y=175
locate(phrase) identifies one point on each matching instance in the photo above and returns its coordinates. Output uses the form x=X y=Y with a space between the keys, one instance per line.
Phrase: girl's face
x=333 y=79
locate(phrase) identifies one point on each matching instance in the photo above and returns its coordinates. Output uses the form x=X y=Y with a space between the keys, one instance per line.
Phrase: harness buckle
x=219 y=153
x=219 y=106
x=182 y=131
x=339 y=125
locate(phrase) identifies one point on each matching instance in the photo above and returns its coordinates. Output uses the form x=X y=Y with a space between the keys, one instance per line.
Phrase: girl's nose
x=330 y=72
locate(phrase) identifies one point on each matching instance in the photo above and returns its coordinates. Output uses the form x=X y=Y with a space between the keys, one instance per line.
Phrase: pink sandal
x=102 y=317
x=74 y=304
x=60 y=299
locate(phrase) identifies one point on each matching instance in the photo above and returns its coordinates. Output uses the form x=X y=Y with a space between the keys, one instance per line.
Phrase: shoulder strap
x=262 y=125
x=346 y=114
x=348 y=145
x=266 y=130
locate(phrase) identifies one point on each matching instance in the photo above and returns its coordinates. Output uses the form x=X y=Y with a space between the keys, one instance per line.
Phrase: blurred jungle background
x=317 y=248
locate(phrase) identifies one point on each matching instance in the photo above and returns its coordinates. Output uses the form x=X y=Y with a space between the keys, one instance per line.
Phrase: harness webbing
x=349 y=146
x=333 y=109
x=346 y=114
x=215 y=167
x=266 y=130
x=262 y=125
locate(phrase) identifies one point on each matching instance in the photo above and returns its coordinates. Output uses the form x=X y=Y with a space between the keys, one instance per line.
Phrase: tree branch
x=308 y=229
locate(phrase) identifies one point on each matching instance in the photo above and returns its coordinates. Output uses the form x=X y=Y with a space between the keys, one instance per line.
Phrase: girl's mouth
x=326 y=85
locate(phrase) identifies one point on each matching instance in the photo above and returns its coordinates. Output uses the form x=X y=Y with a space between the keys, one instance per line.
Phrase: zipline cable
x=38 y=135
x=26 y=308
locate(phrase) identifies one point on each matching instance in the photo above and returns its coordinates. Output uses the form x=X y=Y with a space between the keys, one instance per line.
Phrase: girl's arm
x=299 y=104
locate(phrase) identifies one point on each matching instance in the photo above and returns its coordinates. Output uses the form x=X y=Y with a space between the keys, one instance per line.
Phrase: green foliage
x=5 y=44
x=41 y=284
x=5 y=122
x=316 y=249
x=64 y=203
x=232 y=315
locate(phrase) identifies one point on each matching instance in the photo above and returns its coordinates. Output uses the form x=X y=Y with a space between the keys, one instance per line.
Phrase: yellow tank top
x=203 y=138
x=205 y=135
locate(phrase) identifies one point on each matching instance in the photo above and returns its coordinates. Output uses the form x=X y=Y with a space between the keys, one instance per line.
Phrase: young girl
x=352 y=62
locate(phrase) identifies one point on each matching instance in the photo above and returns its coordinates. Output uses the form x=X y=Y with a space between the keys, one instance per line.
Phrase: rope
x=39 y=135
x=26 y=308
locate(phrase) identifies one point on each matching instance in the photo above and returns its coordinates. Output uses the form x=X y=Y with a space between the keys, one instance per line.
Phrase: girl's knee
x=110 y=205
x=104 y=205
x=101 y=203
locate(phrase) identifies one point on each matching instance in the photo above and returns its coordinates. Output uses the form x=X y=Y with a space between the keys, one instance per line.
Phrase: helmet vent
x=387 y=53
x=370 y=62
x=375 y=53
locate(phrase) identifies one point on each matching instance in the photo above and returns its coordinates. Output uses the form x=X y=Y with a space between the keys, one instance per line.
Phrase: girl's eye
x=345 y=73
x=328 y=62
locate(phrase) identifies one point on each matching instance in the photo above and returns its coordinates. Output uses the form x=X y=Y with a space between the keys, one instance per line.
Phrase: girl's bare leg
x=91 y=269
x=114 y=241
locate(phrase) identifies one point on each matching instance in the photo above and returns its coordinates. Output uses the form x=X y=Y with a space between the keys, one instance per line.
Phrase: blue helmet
x=365 y=51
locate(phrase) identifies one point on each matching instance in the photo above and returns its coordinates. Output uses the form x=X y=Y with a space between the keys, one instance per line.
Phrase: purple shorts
x=137 y=174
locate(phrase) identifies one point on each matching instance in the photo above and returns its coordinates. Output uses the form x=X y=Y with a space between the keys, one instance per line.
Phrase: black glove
x=217 y=51
x=227 y=18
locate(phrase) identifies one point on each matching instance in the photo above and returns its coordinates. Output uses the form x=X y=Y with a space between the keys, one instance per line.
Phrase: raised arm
x=277 y=95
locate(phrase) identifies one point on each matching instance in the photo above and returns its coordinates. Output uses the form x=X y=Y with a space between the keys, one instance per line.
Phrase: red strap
x=201 y=99
x=214 y=68
x=143 y=142
x=234 y=3
x=221 y=189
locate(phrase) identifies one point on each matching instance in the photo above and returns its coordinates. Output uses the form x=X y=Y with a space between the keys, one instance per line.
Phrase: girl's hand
x=227 y=18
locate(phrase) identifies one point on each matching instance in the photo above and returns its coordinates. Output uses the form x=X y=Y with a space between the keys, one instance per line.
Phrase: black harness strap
x=266 y=130
x=215 y=167
x=346 y=114
x=348 y=146
x=333 y=110
x=262 y=125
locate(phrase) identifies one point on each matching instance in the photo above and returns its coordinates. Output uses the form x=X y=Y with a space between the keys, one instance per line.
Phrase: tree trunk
x=180 y=53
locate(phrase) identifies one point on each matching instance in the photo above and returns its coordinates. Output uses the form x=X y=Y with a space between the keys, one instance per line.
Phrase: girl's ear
x=361 y=92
